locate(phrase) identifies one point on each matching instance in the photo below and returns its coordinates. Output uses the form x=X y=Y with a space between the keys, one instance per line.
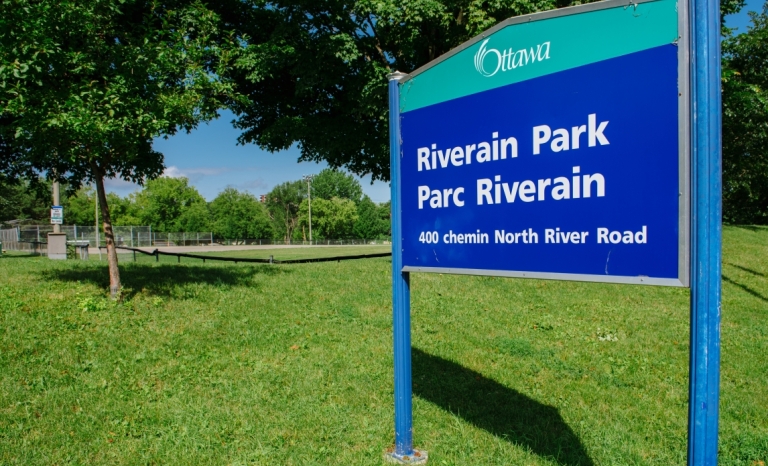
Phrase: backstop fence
x=130 y=236
x=133 y=236
x=26 y=237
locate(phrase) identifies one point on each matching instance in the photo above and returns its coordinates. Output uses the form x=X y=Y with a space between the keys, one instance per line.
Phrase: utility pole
x=96 y=217
x=56 y=202
x=308 y=179
x=57 y=241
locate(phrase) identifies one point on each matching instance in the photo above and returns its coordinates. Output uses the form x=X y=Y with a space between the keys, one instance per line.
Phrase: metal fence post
x=706 y=233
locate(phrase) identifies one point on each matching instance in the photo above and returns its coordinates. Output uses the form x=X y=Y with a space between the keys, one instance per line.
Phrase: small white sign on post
x=57 y=215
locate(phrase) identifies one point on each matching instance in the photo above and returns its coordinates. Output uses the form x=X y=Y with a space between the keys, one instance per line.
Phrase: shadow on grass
x=754 y=228
x=746 y=288
x=18 y=256
x=497 y=409
x=745 y=269
x=161 y=279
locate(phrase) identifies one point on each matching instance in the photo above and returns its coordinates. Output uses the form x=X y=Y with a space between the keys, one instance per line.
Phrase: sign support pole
x=403 y=453
x=706 y=234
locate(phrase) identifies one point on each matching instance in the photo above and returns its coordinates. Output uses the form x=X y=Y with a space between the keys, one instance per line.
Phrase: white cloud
x=194 y=174
x=173 y=172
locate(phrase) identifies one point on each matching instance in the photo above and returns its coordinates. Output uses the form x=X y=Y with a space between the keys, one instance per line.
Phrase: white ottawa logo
x=508 y=59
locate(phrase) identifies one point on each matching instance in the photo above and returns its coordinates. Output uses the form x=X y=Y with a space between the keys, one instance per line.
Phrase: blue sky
x=741 y=20
x=210 y=157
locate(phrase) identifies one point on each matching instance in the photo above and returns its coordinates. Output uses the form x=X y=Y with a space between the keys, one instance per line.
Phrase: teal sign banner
x=513 y=53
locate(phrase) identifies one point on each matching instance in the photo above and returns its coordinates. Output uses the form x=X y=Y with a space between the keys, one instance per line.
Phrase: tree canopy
x=331 y=183
x=315 y=71
x=22 y=199
x=171 y=204
x=283 y=203
x=79 y=208
x=373 y=221
x=331 y=218
x=239 y=215
x=86 y=86
x=745 y=123
x=339 y=114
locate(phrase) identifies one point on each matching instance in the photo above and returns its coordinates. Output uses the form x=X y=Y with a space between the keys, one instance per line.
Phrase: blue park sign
x=551 y=149
x=577 y=144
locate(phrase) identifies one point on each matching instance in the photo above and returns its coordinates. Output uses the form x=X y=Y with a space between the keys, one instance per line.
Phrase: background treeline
x=745 y=120
x=340 y=210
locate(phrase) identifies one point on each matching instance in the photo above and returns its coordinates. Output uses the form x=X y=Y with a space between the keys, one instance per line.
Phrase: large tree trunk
x=114 y=272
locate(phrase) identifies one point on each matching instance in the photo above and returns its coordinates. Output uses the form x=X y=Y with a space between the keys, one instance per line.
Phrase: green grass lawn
x=220 y=363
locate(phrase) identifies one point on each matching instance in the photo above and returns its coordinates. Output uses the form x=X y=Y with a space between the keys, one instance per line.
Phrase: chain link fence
x=133 y=236
x=182 y=239
x=30 y=237
x=9 y=236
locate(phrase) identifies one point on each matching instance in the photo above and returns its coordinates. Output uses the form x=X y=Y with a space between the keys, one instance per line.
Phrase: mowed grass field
x=241 y=364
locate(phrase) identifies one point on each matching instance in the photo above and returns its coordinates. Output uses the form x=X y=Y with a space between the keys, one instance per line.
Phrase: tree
x=331 y=183
x=22 y=199
x=370 y=223
x=122 y=210
x=385 y=213
x=86 y=86
x=315 y=72
x=331 y=218
x=239 y=215
x=171 y=205
x=745 y=123
x=283 y=204
x=79 y=208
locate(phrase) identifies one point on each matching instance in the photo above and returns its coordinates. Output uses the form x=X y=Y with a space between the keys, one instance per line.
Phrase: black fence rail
x=157 y=253
x=33 y=247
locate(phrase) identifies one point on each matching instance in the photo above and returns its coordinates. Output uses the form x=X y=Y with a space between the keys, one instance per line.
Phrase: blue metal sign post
x=574 y=144
x=401 y=299
x=706 y=232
